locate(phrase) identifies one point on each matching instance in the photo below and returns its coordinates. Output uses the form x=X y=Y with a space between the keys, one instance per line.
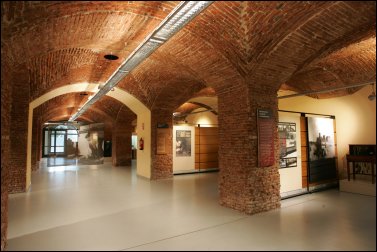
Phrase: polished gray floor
x=100 y=207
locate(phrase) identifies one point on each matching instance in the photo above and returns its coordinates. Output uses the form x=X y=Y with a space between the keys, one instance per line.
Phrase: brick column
x=242 y=184
x=6 y=100
x=18 y=133
x=40 y=142
x=121 y=144
x=162 y=164
x=34 y=144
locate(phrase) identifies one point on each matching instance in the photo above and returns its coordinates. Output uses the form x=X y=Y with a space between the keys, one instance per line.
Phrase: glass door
x=60 y=139
x=54 y=142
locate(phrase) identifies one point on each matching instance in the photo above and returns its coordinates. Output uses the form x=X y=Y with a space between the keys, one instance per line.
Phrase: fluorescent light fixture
x=175 y=21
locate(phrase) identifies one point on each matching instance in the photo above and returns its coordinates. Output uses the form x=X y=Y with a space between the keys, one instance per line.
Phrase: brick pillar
x=162 y=164
x=121 y=144
x=5 y=147
x=242 y=184
x=40 y=142
x=18 y=133
x=34 y=144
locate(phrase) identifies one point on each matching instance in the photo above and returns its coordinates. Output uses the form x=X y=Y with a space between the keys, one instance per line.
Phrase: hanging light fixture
x=372 y=96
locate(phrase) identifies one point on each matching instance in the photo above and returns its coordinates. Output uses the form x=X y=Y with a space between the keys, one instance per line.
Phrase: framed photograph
x=183 y=143
x=288 y=144
x=321 y=138
x=288 y=162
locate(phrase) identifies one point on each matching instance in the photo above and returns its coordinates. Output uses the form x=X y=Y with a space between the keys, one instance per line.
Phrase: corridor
x=101 y=207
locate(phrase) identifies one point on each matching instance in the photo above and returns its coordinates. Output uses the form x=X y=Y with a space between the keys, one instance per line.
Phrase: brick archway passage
x=143 y=122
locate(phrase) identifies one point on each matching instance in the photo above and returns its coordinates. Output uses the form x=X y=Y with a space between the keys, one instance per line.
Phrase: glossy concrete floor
x=100 y=207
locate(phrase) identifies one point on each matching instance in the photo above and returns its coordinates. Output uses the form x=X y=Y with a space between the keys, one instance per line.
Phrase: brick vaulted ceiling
x=303 y=45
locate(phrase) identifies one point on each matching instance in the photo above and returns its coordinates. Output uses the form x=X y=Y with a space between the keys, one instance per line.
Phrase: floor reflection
x=60 y=161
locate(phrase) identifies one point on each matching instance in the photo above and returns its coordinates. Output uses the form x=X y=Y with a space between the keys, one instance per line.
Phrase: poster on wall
x=322 y=164
x=321 y=138
x=288 y=144
x=183 y=143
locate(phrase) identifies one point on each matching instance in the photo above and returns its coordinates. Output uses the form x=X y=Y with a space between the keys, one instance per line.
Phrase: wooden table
x=353 y=159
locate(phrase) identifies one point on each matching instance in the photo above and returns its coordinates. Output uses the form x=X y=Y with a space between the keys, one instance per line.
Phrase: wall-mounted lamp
x=372 y=96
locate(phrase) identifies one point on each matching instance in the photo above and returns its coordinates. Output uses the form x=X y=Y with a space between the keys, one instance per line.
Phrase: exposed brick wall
x=40 y=142
x=18 y=133
x=34 y=144
x=122 y=134
x=162 y=165
x=5 y=147
x=273 y=41
x=121 y=144
x=242 y=184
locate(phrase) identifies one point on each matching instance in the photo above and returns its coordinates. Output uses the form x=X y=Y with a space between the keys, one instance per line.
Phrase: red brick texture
x=242 y=49
x=162 y=164
x=18 y=133
x=242 y=184
x=6 y=100
x=122 y=134
x=121 y=144
x=35 y=143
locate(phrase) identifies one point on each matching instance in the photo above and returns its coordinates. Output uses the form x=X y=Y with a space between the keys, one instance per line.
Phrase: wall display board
x=162 y=138
x=265 y=122
x=183 y=143
x=322 y=163
x=183 y=148
x=288 y=144
x=289 y=129
x=91 y=143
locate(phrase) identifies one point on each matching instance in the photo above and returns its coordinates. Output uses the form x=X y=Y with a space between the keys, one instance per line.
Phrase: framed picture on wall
x=183 y=143
x=322 y=159
x=288 y=162
x=288 y=144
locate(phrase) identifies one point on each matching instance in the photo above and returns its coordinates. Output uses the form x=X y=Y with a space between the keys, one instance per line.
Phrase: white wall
x=291 y=178
x=355 y=118
x=184 y=163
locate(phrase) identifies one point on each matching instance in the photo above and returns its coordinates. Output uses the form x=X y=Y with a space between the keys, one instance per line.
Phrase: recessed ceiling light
x=111 y=57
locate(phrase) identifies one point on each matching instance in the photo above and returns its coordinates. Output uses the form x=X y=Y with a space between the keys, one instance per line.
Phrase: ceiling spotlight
x=372 y=96
x=111 y=57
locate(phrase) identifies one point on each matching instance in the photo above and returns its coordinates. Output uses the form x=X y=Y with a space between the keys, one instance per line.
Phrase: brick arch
x=353 y=64
x=43 y=51
x=94 y=114
x=143 y=113
x=309 y=38
x=83 y=25
x=18 y=14
x=46 y=70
